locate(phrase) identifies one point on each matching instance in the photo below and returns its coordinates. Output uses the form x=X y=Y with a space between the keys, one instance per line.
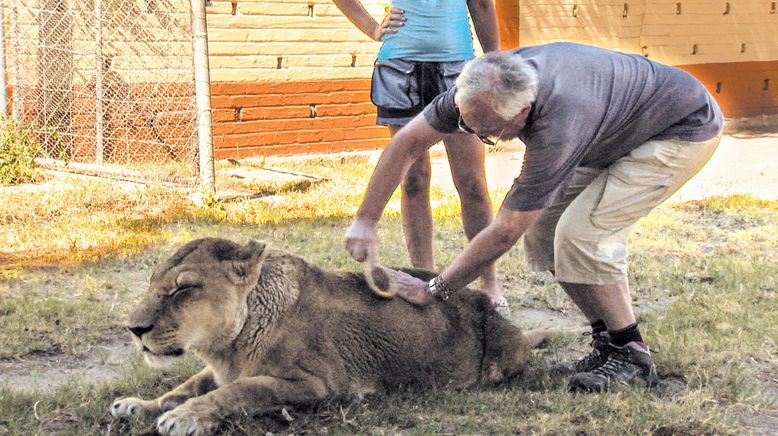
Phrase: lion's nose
x=140 y=330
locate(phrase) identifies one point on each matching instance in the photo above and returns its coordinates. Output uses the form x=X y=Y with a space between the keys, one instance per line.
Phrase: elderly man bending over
x=608 y=137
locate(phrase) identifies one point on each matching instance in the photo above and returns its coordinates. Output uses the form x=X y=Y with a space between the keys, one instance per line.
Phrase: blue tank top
x=434 y=31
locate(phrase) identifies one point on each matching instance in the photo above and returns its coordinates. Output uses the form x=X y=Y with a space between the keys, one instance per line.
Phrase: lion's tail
x=379 y=281
x=538 y=338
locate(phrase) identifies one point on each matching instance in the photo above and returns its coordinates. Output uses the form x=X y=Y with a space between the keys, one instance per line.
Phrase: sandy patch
x=743 y=164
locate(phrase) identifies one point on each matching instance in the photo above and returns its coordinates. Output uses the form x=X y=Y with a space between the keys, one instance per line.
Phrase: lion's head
x=197 y=299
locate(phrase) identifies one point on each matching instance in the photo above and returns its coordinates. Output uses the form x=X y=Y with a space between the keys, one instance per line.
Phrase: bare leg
x=611 y=303
x=466 y=159
x=416 y=211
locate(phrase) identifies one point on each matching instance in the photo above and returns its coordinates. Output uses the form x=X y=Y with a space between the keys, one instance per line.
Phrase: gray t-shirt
x=593 y=107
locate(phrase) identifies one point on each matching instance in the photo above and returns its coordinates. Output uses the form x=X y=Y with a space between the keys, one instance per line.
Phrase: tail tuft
x=538 y=338
x=379 y=281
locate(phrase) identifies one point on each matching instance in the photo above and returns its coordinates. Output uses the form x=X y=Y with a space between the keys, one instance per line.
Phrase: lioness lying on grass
x=277 y=331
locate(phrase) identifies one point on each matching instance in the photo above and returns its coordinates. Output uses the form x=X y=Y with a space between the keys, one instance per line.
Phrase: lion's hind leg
x=506 y=350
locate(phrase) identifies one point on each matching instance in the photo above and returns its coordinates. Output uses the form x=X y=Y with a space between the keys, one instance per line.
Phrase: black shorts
x=401 y=89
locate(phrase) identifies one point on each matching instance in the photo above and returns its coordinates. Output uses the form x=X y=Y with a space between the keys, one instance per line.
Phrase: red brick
x=278 y=138
x=742 y=86
x=264 y=100
x=317 y=147
x=292 y=87
x=307 y=124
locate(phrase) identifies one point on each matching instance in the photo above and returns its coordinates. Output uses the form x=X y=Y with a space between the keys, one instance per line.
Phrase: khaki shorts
x=583 y=238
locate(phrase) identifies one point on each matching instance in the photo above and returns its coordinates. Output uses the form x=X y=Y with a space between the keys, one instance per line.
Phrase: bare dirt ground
x=745 y=163
x=45 y=373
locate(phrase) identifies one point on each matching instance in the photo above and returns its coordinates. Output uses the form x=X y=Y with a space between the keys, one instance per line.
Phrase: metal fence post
x=114 y=82
x=3 y=84
x=203 y=95
x=17 y=92
x=99 y=94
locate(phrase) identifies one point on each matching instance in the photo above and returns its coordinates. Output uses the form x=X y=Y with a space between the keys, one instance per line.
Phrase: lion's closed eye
x=181 y=289
x=185 y=282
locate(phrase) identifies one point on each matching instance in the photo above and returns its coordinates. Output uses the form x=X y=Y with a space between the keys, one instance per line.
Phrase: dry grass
x=708 y=267
x=71 y=219
x=68 y=221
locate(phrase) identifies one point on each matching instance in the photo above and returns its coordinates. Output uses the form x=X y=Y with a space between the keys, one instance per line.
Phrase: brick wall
x=674 y=32
x=731 y=46
x=293 y=76
x=290 y=77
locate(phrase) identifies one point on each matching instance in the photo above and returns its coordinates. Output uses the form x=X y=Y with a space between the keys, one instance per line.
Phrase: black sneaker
x=601 y=348
x=629 y=364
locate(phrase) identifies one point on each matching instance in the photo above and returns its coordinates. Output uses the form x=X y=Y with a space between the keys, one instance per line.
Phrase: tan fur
x=276 y=331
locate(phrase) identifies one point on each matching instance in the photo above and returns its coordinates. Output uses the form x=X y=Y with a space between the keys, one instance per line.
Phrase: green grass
x=17 y=154
x=705 y=270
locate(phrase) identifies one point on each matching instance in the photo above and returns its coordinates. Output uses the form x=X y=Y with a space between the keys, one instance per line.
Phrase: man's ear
x=247 y=264
x=524 y=113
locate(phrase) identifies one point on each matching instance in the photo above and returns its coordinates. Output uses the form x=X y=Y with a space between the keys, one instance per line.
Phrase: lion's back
x=364 y=339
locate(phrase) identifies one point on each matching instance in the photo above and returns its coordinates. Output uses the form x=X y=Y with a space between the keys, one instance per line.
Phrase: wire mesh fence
x=108 y=83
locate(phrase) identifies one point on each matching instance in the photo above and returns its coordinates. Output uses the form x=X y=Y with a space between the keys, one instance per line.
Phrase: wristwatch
x=438 y=288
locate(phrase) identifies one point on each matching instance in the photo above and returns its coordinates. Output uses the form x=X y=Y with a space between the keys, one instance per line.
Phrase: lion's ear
x=254 y=249
x=248 y=262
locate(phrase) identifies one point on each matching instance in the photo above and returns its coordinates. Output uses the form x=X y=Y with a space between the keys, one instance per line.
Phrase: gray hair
x=507 y=80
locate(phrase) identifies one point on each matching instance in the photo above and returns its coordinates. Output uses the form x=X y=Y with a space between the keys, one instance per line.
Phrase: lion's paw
x=185 y=421
x=131 y=406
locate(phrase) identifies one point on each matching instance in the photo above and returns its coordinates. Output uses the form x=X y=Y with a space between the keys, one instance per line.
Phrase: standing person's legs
x=590 y=249
x=466 y=160
x=609 y=303
x=397 y=90
x=590 y=242
x=416 y=212
x=538 y=244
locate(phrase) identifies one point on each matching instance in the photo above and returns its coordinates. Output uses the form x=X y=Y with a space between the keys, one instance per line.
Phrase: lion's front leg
x=132 y=406
x=254 y=395
x=198 y=384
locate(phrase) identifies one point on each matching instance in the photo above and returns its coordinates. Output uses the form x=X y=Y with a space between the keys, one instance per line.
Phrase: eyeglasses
x=486 y=139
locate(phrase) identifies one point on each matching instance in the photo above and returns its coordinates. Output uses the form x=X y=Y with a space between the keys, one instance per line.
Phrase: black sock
x=621 y=337
x=598 y=326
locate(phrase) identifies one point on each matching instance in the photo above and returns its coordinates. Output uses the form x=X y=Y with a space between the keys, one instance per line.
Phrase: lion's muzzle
x=140 y=330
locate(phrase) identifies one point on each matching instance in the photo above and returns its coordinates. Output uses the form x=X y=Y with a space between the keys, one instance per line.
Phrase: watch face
x=431 y=287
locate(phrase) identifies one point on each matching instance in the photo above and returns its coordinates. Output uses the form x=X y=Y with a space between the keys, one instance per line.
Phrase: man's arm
x=485 y=23
x=491 y=243
x=357 y=14
x=406 y=146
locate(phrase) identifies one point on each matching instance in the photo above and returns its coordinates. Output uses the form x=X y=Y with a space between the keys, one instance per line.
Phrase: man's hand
x=394 y=18
x=410 y=288
x=361 y=241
